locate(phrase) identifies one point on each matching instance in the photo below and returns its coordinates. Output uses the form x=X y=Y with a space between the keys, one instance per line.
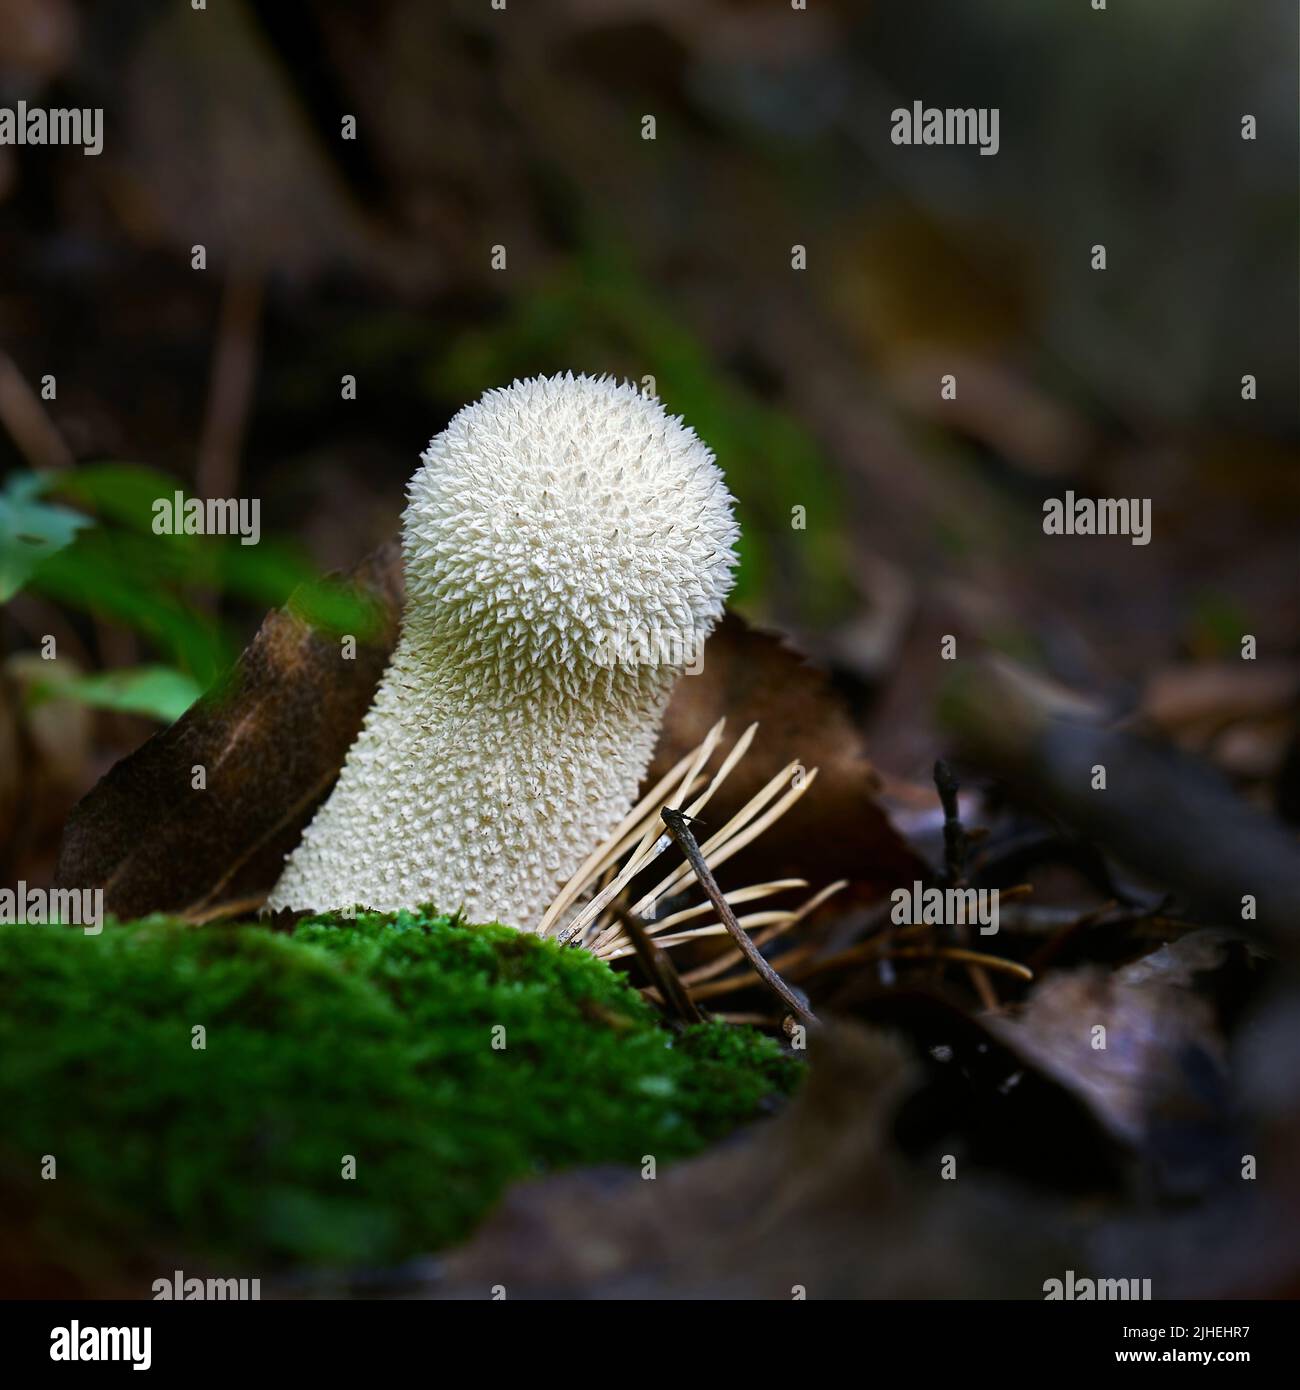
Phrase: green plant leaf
x=160 y=692
x=30 y=531
x=121 y=492
x=127 y=579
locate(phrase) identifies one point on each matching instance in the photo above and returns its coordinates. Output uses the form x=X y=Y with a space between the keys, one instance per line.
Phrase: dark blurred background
x=819 y=388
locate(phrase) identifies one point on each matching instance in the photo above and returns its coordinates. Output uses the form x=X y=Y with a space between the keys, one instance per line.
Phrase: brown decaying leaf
x=1140 y=1046
x=273 y=738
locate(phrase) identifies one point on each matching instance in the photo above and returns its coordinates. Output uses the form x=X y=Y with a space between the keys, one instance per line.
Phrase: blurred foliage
x=30 y=530
x=159 y=692
x=166 y=588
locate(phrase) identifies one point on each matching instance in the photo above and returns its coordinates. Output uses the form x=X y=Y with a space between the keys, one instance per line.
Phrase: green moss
x=372 y=1038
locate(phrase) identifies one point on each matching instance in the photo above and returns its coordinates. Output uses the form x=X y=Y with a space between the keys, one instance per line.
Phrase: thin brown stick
x=680 y=830
x=954 y=836
x=955 y=843
x=960 y=953
x=26 y=421
x=710 y=970
x=659 y=969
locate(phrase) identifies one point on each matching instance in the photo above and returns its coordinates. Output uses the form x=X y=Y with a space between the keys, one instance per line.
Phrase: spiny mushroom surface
x=568 y=547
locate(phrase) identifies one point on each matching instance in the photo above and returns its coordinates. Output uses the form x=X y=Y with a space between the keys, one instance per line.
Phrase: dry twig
x=679 y=828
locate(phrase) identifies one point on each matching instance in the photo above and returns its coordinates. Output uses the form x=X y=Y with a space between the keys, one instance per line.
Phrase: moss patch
x=371 y=1038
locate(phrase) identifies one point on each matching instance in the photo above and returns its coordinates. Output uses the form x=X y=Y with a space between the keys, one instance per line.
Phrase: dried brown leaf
x=1141 y=1046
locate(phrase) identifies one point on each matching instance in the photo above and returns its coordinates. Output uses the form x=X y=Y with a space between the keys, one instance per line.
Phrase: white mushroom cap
x=568 y=547
x=561 y=513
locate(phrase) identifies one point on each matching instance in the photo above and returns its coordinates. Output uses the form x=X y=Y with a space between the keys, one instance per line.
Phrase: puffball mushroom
x=568 y=547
